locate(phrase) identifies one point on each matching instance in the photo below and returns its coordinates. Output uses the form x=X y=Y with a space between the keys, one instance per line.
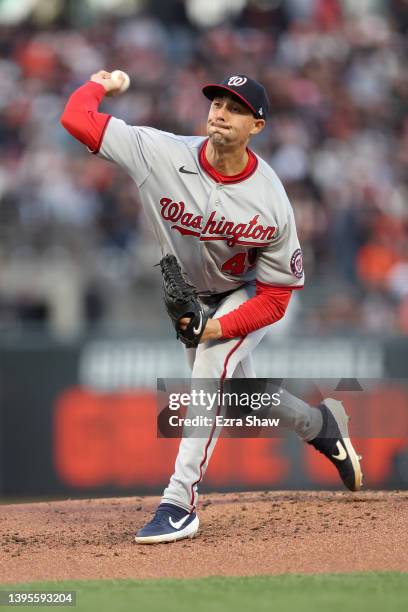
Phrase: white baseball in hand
x=121 y=77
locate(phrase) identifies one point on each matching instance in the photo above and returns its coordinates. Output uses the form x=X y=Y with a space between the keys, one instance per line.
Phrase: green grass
x=371 y=592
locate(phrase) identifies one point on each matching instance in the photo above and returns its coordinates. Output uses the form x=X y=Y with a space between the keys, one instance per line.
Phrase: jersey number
x=236 y=264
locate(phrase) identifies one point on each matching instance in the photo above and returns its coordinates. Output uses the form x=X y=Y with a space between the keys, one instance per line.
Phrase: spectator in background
x=335 y=73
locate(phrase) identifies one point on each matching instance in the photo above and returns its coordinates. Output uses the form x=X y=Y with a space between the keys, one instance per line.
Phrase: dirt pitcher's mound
x=240 y=534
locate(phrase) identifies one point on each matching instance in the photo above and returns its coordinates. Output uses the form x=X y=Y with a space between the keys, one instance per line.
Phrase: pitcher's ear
x=259 y=125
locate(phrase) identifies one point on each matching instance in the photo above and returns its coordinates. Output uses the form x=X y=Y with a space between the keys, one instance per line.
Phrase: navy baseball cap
x=247 y=90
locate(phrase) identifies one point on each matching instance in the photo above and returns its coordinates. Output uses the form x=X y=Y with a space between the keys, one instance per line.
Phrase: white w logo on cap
x=237 y=81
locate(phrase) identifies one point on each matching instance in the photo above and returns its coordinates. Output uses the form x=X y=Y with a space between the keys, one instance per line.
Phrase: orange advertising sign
x=111 y=440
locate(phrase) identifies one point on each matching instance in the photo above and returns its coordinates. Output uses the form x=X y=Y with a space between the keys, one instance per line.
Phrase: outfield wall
x=81 y=418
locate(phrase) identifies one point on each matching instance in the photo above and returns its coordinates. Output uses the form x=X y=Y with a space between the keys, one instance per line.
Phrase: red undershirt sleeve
x=268 y=306
x=81 y=117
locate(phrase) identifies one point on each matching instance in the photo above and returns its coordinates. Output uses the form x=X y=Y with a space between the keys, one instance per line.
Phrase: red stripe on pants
x=223 y=375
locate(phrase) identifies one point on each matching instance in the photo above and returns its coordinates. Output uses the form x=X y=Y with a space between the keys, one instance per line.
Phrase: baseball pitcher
x=224 y=223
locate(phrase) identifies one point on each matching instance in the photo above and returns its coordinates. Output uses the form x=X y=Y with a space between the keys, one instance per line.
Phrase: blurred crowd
x=75 y=250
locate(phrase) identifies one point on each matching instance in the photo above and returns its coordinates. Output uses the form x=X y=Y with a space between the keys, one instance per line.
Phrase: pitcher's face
x=231 y=122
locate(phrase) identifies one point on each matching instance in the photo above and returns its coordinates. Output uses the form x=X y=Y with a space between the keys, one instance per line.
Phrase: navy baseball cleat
x=334 y=442
x=170 y=523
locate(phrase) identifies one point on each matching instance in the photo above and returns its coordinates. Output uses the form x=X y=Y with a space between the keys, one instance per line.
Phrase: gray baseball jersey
x=224 y=235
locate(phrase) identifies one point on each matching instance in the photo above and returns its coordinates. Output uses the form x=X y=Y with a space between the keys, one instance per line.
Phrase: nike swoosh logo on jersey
x=342 y=452
x=197 y=330
x=178 y=524
x=184 y=171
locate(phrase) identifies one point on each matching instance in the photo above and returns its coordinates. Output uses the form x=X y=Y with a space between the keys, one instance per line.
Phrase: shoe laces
x=161 y=516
